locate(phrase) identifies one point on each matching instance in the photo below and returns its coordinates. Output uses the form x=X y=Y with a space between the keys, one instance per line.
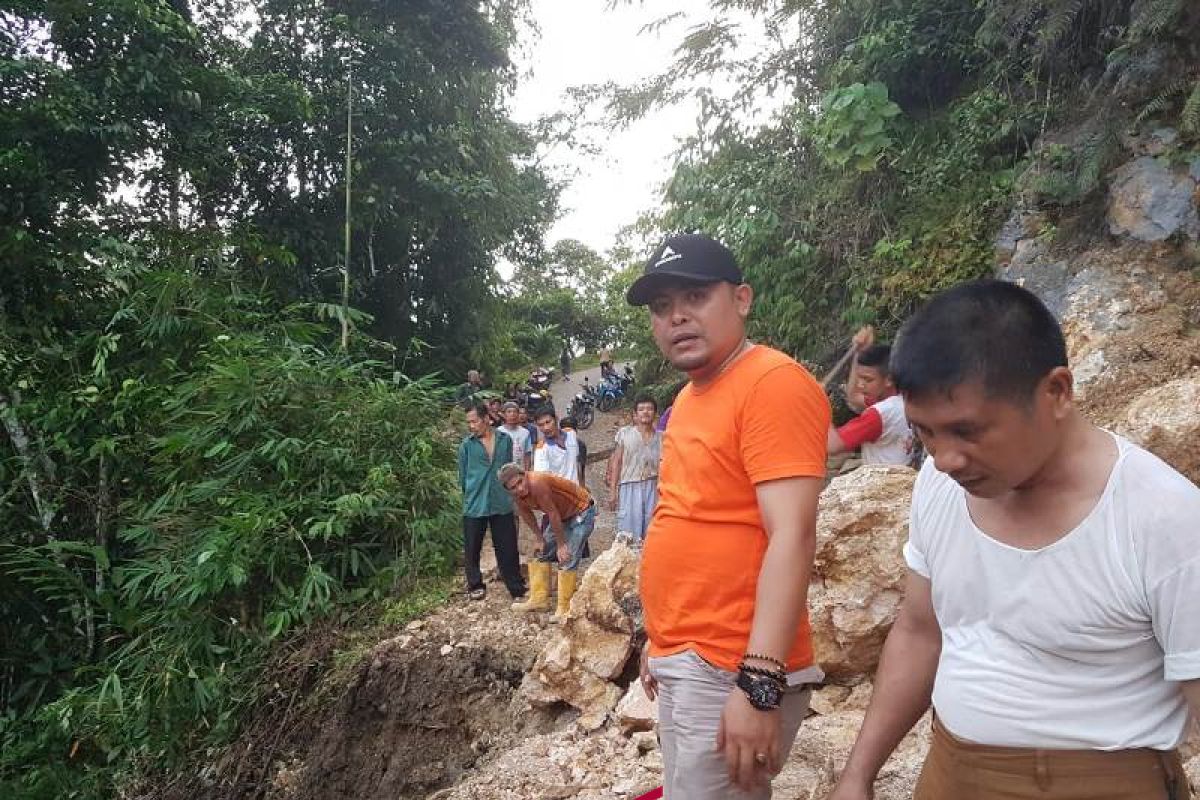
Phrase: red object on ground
x=653 y=794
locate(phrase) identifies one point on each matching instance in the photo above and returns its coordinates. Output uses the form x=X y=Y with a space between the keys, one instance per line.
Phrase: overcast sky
x=581 y=42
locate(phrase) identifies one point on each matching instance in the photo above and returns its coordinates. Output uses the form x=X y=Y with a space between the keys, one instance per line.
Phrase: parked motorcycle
x=610 y=393
x=627 y=379
x=536 y=391
x=583 y=408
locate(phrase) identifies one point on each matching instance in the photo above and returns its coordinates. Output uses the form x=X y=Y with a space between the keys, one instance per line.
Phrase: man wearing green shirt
x=486 y=504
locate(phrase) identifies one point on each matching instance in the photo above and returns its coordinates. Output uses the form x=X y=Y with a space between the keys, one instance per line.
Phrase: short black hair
x=478 y=406
x=987 y=330
x=645 y=398
x=876 y=356
x=546 y=410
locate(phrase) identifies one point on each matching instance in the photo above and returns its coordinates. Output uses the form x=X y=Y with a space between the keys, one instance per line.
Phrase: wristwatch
x=764 y=693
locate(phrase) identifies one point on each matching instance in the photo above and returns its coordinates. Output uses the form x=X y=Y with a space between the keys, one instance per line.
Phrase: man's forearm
x=833 y=442
x=903 y=688
x=614 y=472
x=782 y=593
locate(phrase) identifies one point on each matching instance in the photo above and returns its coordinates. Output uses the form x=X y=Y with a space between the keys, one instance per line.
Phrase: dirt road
x=562 y=391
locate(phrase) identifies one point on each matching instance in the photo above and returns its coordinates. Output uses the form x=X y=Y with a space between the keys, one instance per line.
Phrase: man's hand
x=564 y=554
x=864 y=338
x=649 y=682
x=743 y=735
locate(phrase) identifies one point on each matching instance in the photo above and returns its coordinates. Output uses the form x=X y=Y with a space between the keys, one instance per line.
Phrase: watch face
x=767 y=693
x=763 y=693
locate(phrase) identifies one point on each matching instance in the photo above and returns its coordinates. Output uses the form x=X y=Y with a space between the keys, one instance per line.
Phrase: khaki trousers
x=691 y=696
x=960 y=770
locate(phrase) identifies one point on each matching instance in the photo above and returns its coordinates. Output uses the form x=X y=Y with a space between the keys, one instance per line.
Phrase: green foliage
x=855 y=124
x=220 y=479
x=189 y=474
x=1190 y=116
x=1064 y=175
x=938 y=105
x=1187 y=89
x=557 y=299
x=216 y=129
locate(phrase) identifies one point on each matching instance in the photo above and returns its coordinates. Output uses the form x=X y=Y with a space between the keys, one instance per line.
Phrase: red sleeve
x=866 y=427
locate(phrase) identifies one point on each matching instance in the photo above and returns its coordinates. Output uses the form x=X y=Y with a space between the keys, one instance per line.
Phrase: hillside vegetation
x=215 y=432
x=912 y=129
x=206 y=445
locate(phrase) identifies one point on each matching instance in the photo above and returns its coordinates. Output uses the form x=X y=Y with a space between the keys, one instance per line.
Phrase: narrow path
x=562 y=391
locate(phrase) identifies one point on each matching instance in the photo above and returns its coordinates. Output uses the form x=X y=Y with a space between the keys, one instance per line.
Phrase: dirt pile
x=421 y=709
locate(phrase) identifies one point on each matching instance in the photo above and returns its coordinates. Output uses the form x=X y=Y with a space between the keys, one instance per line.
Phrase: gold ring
x=760 y=758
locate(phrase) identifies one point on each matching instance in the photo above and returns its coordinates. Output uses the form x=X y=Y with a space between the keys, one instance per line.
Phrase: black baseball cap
x=688 y=256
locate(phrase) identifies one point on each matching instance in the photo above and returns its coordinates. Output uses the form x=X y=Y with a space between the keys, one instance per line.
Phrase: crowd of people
x=1050 y=618
x=542 y=467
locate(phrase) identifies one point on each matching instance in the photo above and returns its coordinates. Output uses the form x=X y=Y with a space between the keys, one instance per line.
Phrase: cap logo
x=668 y=255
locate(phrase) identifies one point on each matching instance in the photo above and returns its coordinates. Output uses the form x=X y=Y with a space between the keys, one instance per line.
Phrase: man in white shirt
x=522 y=446
x=1051 y=615
x=557 y=450
x=633 y=471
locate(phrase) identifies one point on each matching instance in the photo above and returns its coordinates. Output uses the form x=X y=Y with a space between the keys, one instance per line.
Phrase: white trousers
x=691 y=695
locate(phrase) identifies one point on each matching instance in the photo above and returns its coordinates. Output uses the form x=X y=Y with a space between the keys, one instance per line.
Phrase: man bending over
x=570 y=516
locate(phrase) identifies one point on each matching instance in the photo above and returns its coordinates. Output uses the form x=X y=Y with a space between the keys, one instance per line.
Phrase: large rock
x=859 y=569
x=1022 y=227
x=1166 y=421
x=1150 y=201
x=823 y=746
x=636 y=711
x=594 y=643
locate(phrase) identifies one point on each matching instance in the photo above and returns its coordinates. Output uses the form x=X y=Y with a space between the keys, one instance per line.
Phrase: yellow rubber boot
x=568 y=580
x=538 y=598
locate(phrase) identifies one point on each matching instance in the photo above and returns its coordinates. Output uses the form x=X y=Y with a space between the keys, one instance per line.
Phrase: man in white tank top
x=881 y=430
x=1052 y=611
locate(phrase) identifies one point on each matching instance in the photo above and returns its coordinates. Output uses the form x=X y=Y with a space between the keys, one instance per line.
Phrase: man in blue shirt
x=486 y=504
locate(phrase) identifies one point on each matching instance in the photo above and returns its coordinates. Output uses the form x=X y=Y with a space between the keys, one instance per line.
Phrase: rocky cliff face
x=1128 y=296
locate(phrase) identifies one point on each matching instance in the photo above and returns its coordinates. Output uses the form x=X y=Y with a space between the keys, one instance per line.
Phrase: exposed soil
x=417 y=713
x=414 y=719
x=1164 y=345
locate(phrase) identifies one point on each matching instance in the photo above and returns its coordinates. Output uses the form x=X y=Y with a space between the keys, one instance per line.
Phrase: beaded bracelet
x=775 y=675
x=768 y=659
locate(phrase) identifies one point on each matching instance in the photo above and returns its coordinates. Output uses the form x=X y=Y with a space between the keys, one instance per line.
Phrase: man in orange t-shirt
x=727 y=559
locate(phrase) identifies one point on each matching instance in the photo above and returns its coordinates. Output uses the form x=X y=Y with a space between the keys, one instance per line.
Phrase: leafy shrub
x=220 y=478
x=855 y=124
